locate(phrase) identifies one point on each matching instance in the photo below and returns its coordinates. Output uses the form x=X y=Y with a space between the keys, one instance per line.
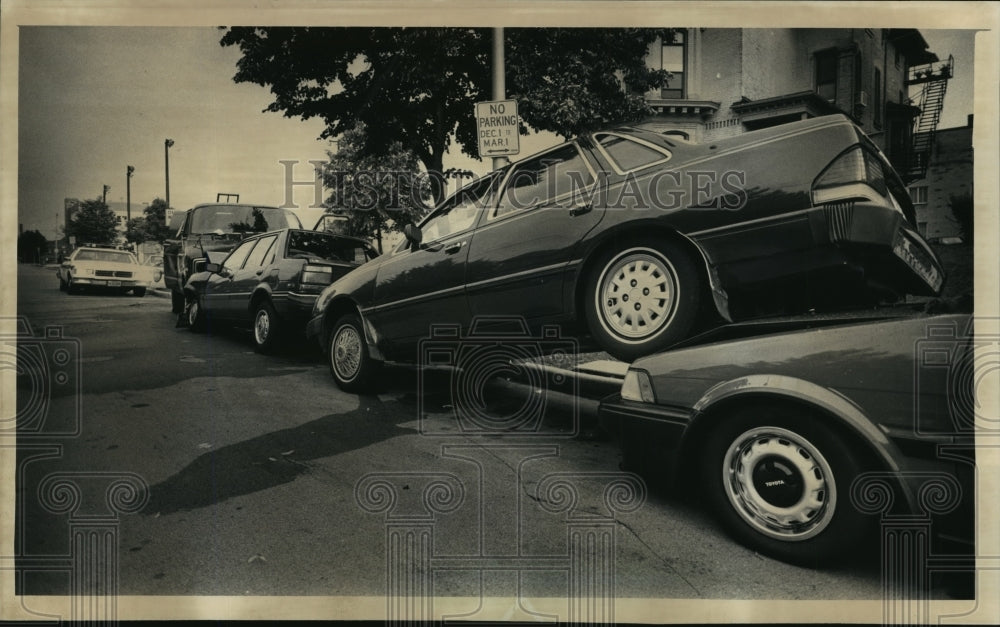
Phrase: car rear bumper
x=863 y=237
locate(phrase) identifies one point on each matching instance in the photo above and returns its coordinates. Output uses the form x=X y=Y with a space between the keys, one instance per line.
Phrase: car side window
x=461 y=210
x=548 y=177
x=235 y=260
x=260 y=251
x=627 y=154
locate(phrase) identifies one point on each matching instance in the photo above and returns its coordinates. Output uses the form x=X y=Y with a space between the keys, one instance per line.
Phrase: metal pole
x=128 y=199
x=499 y=83
x=166 y=161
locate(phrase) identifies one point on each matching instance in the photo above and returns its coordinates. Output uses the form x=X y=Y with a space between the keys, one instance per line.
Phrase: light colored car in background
x=104 y=268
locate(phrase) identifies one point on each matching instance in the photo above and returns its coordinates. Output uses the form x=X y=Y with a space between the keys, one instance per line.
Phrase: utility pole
x=166 y=161
x=104 y=196
x=129 y=170
x=499 y=83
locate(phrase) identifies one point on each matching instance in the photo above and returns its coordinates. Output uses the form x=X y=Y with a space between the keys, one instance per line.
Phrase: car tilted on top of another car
x=632 y=234
x=271 y=281
x=104 y=268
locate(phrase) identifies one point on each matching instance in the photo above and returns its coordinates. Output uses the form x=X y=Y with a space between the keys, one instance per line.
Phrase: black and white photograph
x=571 y=312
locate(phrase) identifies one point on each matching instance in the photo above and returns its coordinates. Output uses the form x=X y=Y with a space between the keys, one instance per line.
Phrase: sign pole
x=499 y=83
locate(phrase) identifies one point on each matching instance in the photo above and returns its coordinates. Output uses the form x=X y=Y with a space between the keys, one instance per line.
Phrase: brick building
x=727 y=81
x=949 y=175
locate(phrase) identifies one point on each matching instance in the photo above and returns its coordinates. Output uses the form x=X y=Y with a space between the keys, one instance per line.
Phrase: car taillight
x=315 y=278
x=855 y=174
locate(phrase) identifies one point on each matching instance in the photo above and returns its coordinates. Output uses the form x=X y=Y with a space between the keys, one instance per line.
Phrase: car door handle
x=581 y=209
x=259 y=272
x=453 y=248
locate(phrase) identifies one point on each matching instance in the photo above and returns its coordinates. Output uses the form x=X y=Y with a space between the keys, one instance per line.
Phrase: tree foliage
x=377 y=193
x=152 y=226
x=93 y=223
x=416 y=86
x=31 y=245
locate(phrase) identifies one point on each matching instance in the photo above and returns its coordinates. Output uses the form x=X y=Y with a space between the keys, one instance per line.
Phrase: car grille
x=120 y=274
x=839 y=216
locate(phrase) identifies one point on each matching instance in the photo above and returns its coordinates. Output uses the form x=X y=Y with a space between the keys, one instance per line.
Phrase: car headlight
x=638 y=387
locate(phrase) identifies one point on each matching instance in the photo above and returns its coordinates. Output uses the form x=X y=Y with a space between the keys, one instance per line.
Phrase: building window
x=673 y=59
x=918 y=195
x=826 y=75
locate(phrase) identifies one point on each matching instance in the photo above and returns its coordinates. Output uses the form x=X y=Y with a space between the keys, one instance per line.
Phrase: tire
x=352 y=367
x=779 y=480
x=138 y=292
x=641 y=298
x=196 y=318
x=266 y=328
x=71 y=288
x=177 y=302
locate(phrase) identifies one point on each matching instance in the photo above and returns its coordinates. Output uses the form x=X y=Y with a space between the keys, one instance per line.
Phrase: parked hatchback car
x=104 y=268
x=271 y=281
x=213 y=228
x=629 y=233
x=800 y=440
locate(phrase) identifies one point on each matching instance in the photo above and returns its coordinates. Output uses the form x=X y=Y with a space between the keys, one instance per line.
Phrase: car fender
x=832 y=403
x=261 y=291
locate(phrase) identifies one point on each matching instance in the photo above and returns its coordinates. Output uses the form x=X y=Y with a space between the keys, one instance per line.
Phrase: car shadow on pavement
x=275 y=458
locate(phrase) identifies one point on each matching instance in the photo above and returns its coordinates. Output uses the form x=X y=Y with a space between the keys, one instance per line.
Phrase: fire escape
x=934 y=78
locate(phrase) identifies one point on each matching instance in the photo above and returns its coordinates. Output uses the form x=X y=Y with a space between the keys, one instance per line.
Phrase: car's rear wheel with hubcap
x=196 y=317
x=642 y=297
x=265 y=327
x=779 y=480
x=352 y=367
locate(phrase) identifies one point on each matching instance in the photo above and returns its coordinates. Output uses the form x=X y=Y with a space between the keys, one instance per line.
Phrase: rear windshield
x=324 y=246
x=224 y=219
x=111 y=256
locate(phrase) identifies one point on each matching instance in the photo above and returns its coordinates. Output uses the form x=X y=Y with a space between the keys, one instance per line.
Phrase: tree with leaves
x=152 y=226
x=377 y=193
x=93 y=223
x=31 y=245
x=416 y=86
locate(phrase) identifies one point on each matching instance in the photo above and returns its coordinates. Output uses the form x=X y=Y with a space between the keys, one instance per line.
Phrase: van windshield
x=223 y=219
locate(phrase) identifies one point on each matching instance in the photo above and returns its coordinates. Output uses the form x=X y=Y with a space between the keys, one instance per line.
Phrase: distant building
x=727 y=81
x=949 y=175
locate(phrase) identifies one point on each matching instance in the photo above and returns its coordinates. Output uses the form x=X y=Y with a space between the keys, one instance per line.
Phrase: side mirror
x=214 y=268
x=413 y=234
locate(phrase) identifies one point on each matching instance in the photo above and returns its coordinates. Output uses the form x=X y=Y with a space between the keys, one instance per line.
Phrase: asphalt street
x=256 y=475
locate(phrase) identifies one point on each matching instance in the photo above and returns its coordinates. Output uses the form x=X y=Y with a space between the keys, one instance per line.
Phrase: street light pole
x=166 y=161
x=499 y=83
x=128 y=199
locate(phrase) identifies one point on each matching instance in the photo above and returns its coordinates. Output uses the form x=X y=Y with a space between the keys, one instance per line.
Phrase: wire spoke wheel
x=346 y=352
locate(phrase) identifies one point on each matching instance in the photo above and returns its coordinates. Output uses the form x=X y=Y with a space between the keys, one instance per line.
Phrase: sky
x=94 y=100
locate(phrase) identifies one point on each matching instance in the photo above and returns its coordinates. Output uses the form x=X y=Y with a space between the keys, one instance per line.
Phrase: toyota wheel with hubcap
x=779 y=479
x=641 y=298
x=352 y=367
x=265 y=327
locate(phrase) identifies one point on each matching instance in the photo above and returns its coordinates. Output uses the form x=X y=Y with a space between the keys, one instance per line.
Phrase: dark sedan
x=633 y=234
x=271 y=281
x=797 y=439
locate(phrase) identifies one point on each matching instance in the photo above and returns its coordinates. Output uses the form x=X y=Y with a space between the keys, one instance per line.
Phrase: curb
x=159 y=293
